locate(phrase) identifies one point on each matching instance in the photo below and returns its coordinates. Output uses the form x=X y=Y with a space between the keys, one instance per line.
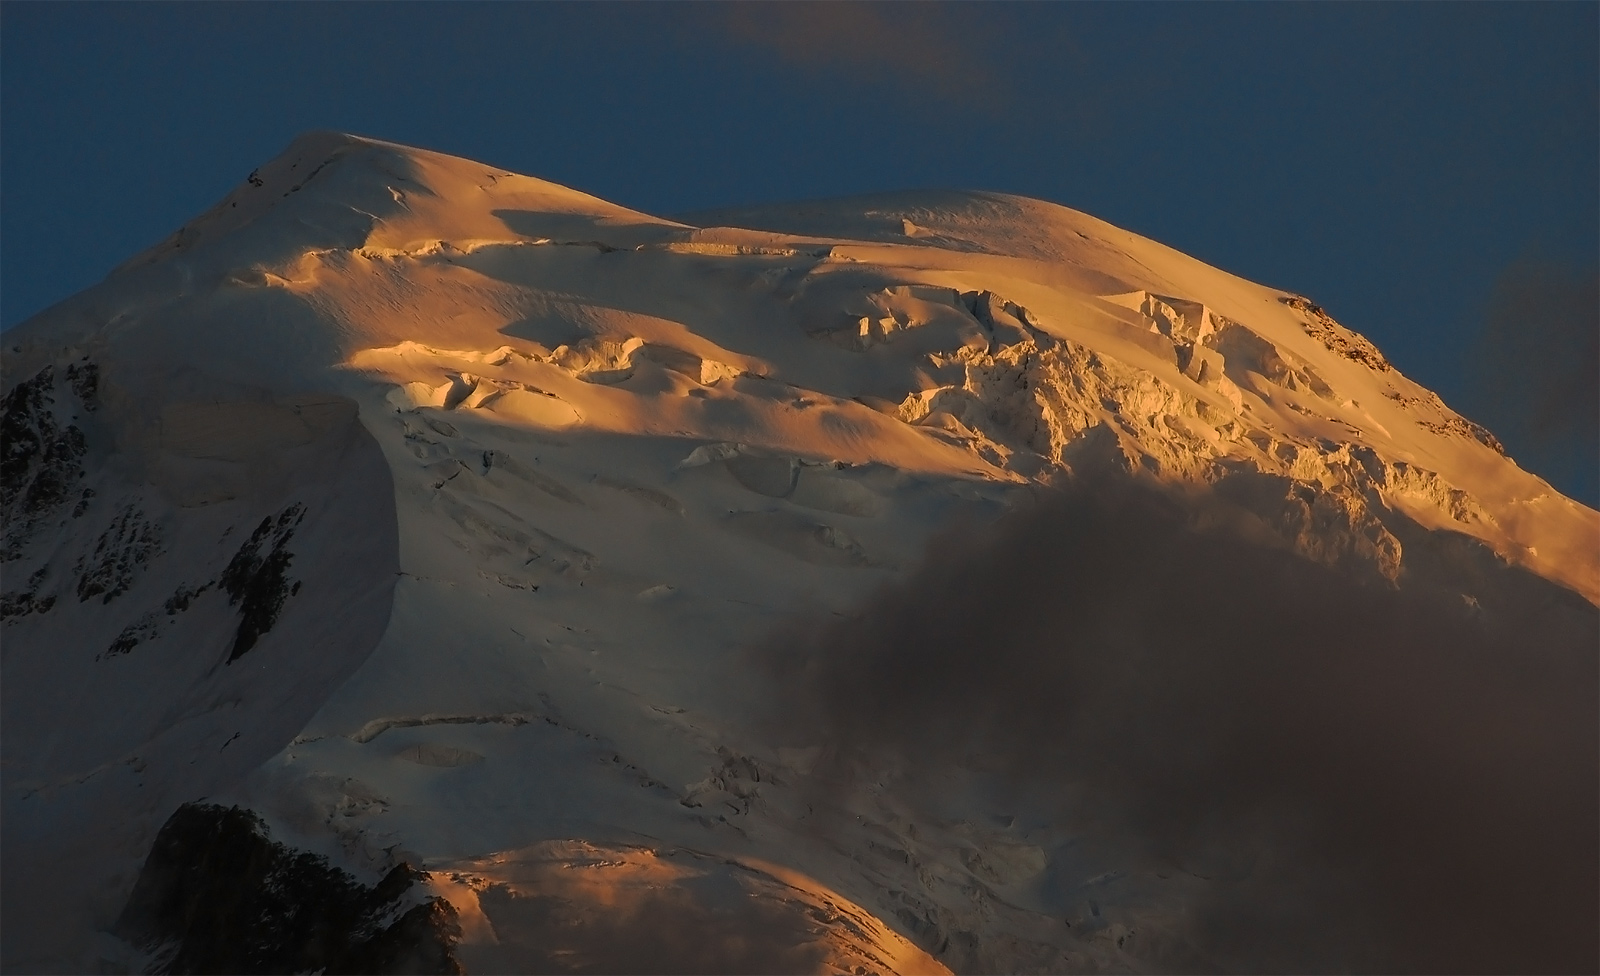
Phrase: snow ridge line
x=445 y=248
x=378 y=726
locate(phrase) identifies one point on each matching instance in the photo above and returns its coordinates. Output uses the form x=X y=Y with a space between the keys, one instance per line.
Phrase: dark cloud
x=1391 y=780
x=944 y=50
x=1536 y=368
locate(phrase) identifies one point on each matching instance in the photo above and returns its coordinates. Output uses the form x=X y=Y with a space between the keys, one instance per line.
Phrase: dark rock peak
x=218 y=895
x=256 y=581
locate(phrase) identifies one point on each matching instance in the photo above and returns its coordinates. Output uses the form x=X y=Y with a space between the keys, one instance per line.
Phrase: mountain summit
x=474 y=560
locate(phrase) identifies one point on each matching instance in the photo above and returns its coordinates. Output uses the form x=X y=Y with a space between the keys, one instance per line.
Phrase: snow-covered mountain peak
x=432 y=512
x=1250 y=365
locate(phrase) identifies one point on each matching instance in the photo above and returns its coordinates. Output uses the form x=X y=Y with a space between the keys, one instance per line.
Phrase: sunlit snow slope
x=429 y=510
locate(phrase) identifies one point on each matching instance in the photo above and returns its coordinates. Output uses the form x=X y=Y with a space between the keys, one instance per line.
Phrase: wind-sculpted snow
x=445 y=516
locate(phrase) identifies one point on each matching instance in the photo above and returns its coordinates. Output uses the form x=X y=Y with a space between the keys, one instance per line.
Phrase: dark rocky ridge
x=218 y=895
x=256 y=582
x=41 y=460
x=119 y=557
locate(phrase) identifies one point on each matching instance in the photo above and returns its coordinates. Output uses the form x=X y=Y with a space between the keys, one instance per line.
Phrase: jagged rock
x=218 y=895
x=257 y=583
x=41 y=459
x=119 y=556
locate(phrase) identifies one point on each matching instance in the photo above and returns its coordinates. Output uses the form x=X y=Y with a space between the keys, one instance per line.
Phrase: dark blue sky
x=1399 y=164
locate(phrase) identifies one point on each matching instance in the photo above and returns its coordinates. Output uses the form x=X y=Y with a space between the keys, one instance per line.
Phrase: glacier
x=680 y=594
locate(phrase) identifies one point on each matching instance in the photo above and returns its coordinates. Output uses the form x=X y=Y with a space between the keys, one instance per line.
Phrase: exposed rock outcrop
x=218 y=895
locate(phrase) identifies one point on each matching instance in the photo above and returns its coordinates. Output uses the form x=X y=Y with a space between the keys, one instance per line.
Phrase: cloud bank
x=936 y=49
x=1400 y=782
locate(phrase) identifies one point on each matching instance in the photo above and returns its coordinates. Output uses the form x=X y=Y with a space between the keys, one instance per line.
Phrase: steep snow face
x=430 y=511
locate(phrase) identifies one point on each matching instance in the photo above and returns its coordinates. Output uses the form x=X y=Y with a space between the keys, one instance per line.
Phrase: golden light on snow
x=608 y=908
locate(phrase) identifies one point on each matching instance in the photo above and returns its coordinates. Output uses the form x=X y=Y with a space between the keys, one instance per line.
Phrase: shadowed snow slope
x=446 y=516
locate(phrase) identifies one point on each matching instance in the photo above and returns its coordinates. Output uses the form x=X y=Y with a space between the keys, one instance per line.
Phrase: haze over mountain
x=913 y=582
